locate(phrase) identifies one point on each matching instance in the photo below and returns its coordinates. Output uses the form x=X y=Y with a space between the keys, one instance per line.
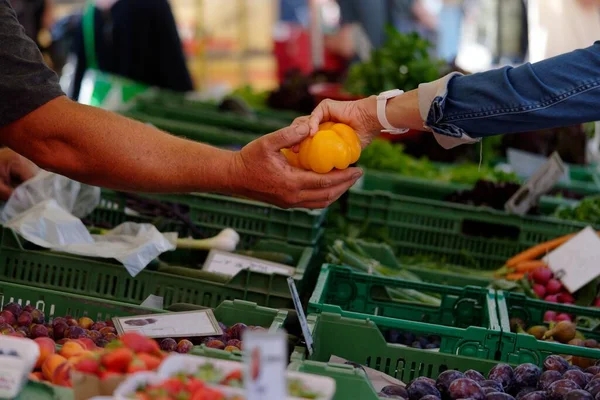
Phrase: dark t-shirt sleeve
x=26 y=83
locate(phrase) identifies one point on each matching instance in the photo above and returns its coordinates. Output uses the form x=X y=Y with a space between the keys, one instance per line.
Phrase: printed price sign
x=224 y=263
x=265 y=356
x=180 y=324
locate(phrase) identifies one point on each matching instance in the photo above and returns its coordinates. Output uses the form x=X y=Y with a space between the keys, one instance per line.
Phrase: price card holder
x=17 y=359
x=526 y=164
x=540 y=183
x=265 y=359
x=575 y=263
x=222 y=262
x=174 y=325
x=301 y=316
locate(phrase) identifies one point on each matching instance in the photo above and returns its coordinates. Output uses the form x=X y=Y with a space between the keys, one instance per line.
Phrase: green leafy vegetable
x=587 y=210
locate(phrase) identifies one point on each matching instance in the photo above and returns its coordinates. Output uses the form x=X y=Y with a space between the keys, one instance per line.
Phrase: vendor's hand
x=14 y=170
x=361 y=115
x=261 y=172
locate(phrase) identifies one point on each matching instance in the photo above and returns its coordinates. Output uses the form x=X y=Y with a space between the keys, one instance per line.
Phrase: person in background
x=135 y=39
x=457 y=109
x=450 y=29
x=100 y=148
x=35 y=16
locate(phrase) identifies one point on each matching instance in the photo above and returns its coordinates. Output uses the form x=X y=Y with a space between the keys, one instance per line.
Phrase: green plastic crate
x=360 y=341
x=350 y=382
x=44 y=391
x=520 y=348
x=215 y=136
x=463 y=235
x=466 y=320
x=104 y=279
x=55 y=303
x=247 y=217
x=384 y=254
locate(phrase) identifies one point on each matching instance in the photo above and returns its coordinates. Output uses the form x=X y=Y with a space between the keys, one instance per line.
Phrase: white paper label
x=230 y=264
x=575 y=263
x=17 y=359
x=526 y=164
x=265 y=359
x=301 y=316
x=153 y=301
x=540 y=183
x=181 y=324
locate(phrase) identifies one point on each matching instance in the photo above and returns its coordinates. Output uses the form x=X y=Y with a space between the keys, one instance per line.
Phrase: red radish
x=563 y=317
x=566 y=297
x=551 y=298
x=549 y=316
x=540 y=290
x=541 y=275
x=597 y=302
x=553 y=286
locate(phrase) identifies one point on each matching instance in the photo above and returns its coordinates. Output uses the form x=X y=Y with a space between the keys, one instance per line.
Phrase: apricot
x=47 y=348
x=71 y=349
x=85 y=322
x=62 y=375
x=50 y=364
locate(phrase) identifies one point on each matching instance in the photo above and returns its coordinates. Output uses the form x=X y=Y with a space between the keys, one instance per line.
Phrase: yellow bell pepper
x=333 y=146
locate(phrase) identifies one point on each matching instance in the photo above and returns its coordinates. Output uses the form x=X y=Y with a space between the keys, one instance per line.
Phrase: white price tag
x=575 y=263
x=526 y=164
x=173 y=325
x=17 y=359
x=265 y=359
x=301 y=316
x=153 y=301
x=230 y=264
x=540 y=183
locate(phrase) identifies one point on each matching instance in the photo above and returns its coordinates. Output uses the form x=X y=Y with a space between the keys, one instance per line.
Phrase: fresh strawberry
x=103 y=375
x=233 y=376
x=88 y=366
x=117 y=360
x=193 y=385
x=137 y=365
x=139 y=343
x=208 y=394
x=173 y=386
x=152 y=362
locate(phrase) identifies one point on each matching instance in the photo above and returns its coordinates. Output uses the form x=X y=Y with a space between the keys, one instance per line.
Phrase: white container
x=17 y=359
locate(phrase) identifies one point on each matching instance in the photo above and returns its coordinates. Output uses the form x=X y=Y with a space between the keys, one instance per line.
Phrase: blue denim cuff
x=432 y=98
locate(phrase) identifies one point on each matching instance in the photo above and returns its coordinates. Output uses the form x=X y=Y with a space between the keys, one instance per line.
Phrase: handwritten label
x=265 y=359
x=231 y=264
x=301 y=316
x=181 y=324
x=540 y=183
x=575 y=263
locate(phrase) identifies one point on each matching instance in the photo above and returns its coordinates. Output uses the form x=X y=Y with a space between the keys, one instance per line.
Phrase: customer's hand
x=361 y=115
x=14 y=170
x=261 y=172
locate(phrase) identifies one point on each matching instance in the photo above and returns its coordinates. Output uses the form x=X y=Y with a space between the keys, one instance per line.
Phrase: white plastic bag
x=75 y=197
x=48 y=225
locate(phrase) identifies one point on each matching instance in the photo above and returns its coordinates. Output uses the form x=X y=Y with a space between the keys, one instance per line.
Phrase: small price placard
x=181 y=324
x=222 y=262
x=265 y=356
x=575 y=263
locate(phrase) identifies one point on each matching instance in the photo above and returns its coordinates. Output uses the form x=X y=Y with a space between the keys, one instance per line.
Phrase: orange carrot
x=528 y=266
x=537 y=250
x=515 y=276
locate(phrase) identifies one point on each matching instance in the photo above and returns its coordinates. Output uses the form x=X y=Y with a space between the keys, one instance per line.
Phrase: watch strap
x=382 y=100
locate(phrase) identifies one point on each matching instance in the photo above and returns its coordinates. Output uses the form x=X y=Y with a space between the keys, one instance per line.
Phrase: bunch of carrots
x=527 y=261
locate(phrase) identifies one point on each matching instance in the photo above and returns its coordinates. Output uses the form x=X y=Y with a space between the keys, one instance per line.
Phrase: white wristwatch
x=382 y=100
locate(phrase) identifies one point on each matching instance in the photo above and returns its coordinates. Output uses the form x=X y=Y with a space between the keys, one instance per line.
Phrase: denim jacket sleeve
x=560 y=91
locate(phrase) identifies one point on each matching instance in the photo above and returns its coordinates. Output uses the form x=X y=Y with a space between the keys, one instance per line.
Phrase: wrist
x=403 y=111
x=368 y=114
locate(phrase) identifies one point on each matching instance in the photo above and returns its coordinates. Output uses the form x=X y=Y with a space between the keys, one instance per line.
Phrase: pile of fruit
x=410 y=339
x=230 y=340
x=557 y=381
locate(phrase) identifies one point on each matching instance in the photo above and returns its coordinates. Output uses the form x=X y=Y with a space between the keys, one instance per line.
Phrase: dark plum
x=445 y=379
x=560 y=388
x=76 y=332
x=14 y=308
x=589 y=376
x=59 y=330
x=29 y=308
x=395 y=390
x=236 y=331
x=499 y=396
x=593 y=387
x=168 y=344
x=421 y=388
x=422 y=378
x=578 y=394
x=465 y=388
x=430 y=397
x=527 y=375
x=504 y=374
x=576 y=376
x=24 y=319
x=592 y=370
x=537 y=395
x=432 y=346
x=416 y=345
x=548 y=378
x=488 y=390
x=524 y=392
x=394 y=336
x=38 y=316
x=409 y=337
x=497 y=386
x=556 y=363
x=37 y=331
x=474 y=375
x=184 y=346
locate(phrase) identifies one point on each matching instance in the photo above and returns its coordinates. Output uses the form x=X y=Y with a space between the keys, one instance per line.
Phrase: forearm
x=100 y=148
